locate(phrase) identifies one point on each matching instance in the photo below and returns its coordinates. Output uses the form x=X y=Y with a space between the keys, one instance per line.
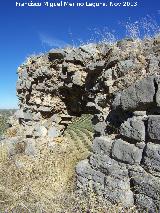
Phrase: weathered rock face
x=120 y=85
x=136 y=95
x=133 y=129
x=130 y=161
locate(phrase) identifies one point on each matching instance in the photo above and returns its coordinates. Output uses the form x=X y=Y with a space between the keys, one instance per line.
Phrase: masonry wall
x=125 y=164
x=119 y=85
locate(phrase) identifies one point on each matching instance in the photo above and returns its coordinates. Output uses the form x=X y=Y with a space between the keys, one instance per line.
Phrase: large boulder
x=102 y=145
x=126 y=152
x=145 y=184
x=154 y=127
x=134 y=129
x=112 y=187
x=138 y=95
x=151 y=158
x=118 y=191
x=88 y=178
x=108 y=166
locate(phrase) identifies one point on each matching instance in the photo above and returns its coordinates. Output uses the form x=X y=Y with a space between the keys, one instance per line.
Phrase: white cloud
x=51 y=42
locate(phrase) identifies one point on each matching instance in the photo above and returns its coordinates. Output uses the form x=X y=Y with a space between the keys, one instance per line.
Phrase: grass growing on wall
x=80 y=133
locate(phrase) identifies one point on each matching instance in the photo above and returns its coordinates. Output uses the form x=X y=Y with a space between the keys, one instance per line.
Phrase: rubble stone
x=126 y=152
x=134 y=129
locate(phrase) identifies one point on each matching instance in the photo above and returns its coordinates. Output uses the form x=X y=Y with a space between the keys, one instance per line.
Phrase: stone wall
x=125 y=164
x=119 y=85
x=68 y=82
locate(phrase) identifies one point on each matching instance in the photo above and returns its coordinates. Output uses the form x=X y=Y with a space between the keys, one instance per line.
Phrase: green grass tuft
x=80 y=132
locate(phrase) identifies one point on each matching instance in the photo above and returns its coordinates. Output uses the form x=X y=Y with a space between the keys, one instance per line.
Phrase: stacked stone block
x=129 y=161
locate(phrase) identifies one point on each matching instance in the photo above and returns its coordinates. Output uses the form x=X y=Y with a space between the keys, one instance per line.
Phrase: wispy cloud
x=51 y=42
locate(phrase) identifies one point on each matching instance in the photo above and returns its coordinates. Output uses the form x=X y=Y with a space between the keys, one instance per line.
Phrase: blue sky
x=25 y=31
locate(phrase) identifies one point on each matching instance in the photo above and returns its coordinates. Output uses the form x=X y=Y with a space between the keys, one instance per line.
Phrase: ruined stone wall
x=125 y=164
x=71 y=81
x=119 y=85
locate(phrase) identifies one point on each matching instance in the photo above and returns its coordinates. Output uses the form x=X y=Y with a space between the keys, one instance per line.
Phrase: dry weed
x=37 y=183
x=47 y=184
x=11 y=132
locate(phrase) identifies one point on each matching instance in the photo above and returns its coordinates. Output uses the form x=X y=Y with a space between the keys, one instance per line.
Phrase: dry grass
x=46 y=183
x=3 y=153
x=3 y=124
x=11 y=132
x=27 y=181
x=38 y=184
